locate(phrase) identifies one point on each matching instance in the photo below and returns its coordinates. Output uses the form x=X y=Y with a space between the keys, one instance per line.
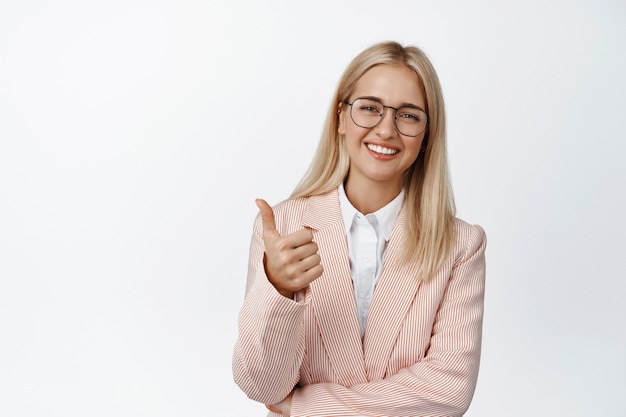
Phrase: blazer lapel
x=394 y=292
x=332 y=294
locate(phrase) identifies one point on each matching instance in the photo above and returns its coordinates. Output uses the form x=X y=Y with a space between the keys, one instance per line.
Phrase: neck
x=369 y=198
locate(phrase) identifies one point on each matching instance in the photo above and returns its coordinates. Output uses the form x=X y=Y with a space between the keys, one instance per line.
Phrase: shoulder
x=292 y=208
x=300 y=204
x=463 y=229
x=469 y=238
x=290 y=214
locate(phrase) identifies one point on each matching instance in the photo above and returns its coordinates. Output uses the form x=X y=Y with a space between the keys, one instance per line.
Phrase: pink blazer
x=421 y=349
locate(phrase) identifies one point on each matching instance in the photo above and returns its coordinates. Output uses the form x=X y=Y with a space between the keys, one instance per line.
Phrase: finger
x=310 y=262
x=299 y=238
x=267 y=217
x=312 y=274
x=304 y=251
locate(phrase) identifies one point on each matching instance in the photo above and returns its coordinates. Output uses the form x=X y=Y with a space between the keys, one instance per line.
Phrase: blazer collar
x=332 y=294
x=322 y=211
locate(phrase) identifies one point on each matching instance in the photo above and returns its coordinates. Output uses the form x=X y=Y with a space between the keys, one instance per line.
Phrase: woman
x=365 y=294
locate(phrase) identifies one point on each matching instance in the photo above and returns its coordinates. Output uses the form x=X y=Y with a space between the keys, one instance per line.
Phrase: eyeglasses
x=367 y=113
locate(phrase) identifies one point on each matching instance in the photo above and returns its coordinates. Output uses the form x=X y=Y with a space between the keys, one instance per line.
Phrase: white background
x=135 y=135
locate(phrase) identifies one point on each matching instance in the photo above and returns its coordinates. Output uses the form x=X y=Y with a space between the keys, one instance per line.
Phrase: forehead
x=393 y=84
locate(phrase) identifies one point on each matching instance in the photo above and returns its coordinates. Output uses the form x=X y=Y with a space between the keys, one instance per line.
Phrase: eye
x=410 y=115
x=368 y=106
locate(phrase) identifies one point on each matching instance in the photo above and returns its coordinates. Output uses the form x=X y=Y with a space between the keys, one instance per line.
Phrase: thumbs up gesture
x=291 y=262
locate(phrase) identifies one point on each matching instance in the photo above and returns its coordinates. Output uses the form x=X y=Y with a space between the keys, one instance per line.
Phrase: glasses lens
x=410 y=121
x=368 y=113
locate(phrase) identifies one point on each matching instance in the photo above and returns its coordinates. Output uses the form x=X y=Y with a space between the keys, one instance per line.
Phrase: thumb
x=267 y=216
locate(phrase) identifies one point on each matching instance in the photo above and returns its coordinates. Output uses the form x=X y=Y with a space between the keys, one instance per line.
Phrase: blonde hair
x=428 y=193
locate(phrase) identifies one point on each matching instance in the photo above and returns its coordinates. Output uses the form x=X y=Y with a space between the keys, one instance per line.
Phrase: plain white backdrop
x=135 y=135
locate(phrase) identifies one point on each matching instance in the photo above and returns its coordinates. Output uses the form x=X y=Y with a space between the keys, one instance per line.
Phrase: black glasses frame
x=382 y=116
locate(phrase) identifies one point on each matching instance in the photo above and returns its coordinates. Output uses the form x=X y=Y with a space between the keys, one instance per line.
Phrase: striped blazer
x=420 y=352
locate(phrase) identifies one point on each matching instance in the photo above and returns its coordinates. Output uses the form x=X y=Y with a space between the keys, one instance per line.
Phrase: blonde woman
x=364 y=294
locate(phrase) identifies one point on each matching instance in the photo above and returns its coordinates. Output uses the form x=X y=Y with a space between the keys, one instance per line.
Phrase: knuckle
x=281 y=244
x=285 y=258
x=291 y=272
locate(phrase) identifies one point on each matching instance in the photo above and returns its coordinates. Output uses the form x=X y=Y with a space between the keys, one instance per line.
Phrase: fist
x=291 y=262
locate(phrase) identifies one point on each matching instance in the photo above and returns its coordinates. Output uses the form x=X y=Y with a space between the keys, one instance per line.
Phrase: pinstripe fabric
x=421 y=349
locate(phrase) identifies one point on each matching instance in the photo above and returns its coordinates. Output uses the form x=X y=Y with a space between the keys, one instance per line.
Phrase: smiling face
x=380 y=155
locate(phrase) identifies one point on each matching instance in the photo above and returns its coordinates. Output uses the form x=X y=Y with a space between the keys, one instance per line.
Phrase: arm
x=443 y=383
x=270 y=346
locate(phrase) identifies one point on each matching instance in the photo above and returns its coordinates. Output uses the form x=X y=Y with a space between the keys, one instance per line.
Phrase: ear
x=342 y=120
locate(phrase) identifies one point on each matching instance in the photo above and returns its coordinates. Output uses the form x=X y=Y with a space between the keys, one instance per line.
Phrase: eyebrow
x=414 y=106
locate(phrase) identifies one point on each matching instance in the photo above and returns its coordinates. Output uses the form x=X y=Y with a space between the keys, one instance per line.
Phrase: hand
x=283 y=407
x=291 y=261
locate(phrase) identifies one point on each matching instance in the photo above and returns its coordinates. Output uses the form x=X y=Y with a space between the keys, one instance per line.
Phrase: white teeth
x=380 y=149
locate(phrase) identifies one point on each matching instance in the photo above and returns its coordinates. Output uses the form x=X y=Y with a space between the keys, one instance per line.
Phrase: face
x=380 y=155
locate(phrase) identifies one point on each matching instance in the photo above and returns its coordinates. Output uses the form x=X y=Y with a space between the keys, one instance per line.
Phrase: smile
x=381 y=150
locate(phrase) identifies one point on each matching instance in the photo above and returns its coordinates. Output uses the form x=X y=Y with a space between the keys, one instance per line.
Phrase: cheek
x=415 y=148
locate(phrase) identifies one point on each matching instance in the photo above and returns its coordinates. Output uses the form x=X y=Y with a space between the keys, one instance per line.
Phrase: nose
x=386 y=127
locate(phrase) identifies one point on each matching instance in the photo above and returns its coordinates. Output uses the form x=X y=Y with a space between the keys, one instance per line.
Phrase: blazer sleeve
x=270 y=344
x=443 y=383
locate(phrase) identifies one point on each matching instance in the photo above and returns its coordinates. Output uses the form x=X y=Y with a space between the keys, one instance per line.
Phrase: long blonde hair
x=428 y=193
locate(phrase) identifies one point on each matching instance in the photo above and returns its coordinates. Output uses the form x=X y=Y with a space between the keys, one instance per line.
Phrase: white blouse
x=367 y=237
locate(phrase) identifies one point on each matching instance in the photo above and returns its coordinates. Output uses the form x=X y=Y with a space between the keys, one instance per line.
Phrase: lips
x=381 y=149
